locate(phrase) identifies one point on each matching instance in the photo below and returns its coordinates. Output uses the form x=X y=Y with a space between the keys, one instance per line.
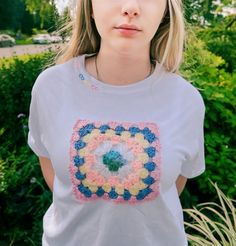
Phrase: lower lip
x=127 y=32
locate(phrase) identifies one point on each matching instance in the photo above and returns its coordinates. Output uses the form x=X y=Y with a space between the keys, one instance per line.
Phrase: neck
x=119 y=69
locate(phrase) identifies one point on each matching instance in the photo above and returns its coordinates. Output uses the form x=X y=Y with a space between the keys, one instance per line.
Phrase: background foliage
x=24 y=196
x=218 y=88
x=24 y=15
x=209 y=63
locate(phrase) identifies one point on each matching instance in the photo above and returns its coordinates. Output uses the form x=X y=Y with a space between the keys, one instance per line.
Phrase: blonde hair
x=166 y=45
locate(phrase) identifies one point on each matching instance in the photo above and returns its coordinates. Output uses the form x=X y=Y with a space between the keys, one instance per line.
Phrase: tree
x=47 y=11
x=51 y=22
x=64 y=19
x=206 y=12
x=15 y=17
x=220 y=40
x=217 y=28
x=11 y=14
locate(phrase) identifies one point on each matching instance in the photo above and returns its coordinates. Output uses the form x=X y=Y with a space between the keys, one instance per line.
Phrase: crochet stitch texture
x=115 y=161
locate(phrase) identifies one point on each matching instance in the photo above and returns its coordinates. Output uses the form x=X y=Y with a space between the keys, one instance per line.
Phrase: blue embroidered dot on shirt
x=81 y=76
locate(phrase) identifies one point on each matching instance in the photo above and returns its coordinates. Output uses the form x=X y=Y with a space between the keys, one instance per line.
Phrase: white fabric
x=60 y=98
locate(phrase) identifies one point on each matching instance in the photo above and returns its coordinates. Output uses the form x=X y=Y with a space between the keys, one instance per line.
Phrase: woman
x=116 y=130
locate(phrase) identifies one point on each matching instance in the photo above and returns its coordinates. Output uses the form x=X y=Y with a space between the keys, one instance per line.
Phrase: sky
x=61 y=4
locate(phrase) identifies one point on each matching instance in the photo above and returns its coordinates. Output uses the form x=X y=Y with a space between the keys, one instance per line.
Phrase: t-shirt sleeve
x=35 y=135
x=194 y=165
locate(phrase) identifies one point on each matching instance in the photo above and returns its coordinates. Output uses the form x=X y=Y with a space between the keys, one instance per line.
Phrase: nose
x=131 y=8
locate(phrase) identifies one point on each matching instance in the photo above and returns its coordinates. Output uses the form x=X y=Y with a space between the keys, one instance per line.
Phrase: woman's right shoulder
x=54 y=75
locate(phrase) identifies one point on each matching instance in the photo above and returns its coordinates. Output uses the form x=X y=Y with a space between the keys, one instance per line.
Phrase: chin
x=126 y=48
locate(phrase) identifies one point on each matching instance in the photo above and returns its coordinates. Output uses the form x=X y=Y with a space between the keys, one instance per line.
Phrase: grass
x=213 y=224
x=24 y=41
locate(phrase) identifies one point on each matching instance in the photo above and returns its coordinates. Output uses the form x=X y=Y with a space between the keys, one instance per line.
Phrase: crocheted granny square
x=116 y=161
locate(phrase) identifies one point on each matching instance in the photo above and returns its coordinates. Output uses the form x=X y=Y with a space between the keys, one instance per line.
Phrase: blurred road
x=27 y=49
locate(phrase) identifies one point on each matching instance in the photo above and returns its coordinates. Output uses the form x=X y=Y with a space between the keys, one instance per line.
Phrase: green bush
x=220 y=40
x=24 y=195
x=36 y=31
x=6 y=43
x=218 y=89
x=24 y=198
x=8 y=32
x=17 y=76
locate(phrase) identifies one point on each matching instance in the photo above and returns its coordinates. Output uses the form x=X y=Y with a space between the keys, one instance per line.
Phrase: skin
x=130 y=54
x=48 y=171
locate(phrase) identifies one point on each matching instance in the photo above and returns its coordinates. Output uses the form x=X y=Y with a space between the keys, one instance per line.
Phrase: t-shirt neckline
x=96 y=85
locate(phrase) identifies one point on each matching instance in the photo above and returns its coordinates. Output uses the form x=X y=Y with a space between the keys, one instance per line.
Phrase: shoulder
x=185 y=91
x=54 y=77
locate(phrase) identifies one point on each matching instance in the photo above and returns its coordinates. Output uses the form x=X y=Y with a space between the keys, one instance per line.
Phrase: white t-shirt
x=117 y=152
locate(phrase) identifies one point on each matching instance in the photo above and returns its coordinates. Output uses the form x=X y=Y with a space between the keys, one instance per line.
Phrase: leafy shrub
x=218 y=89
x=8 y=32
x=17 y=75
x=220 y=39
x=24 y=198
x=37 y=31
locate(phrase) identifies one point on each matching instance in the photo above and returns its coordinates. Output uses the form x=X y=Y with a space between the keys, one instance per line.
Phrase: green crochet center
x=113 y=160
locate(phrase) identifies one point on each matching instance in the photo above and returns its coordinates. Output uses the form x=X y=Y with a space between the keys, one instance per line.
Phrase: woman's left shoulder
x=190 y=93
